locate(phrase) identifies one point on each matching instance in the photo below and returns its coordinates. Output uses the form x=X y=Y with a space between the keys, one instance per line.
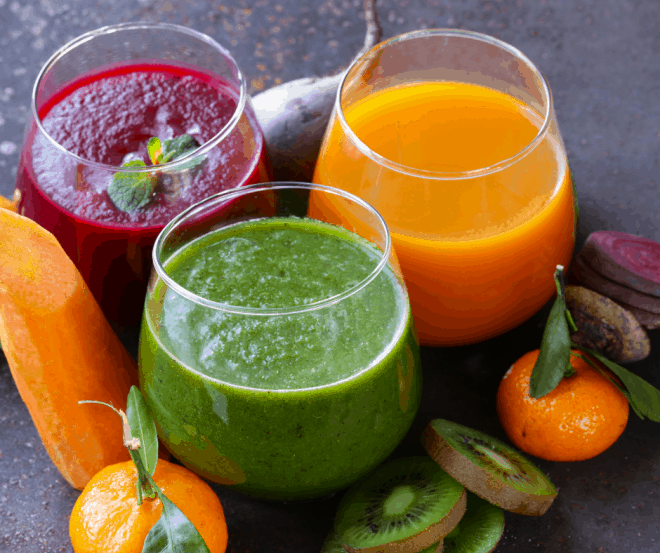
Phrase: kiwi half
x=333 y=544
x=489 y=468
x=479 y=530
x=404 y=506
x=435 y=548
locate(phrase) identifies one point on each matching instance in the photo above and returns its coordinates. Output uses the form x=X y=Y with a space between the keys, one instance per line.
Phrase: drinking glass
x=144 y=80
x=452 y=136
x=277 y=351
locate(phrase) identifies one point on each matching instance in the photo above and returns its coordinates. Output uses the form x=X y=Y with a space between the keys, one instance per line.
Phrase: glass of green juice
x=277 y=350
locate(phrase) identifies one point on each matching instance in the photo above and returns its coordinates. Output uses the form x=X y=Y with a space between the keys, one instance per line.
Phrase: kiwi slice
x=435 y=548
x=479 y=530
x=404 y=506
x=333 y=544
x=489 y=468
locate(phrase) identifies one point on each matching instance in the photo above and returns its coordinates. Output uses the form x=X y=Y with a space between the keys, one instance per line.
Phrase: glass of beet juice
x=131 y=124
x=277 y=349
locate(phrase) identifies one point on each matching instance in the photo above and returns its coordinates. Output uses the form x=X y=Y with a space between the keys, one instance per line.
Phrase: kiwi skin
x=438 y=548
x=480 y=481
x=423 y=539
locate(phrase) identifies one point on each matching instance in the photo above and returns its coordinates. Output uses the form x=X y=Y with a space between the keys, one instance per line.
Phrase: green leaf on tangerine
x=132 y=191
x=173 y=533
x=143 y=428
x=555 y=356
x=643 y=397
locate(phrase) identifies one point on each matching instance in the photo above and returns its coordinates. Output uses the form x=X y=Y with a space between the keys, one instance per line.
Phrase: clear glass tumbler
x=277 y=351
x=86 y=173
x=452 y=136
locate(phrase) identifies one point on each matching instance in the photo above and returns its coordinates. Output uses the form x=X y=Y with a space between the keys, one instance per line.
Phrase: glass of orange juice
x=452 y=136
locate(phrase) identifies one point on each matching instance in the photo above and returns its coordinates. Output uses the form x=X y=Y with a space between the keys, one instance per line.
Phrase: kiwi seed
x=489 y=468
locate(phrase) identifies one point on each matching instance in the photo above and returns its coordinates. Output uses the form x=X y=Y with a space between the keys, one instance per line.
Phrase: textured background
x=601 y=60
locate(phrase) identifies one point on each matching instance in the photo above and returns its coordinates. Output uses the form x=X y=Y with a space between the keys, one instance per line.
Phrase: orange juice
x=479 y=202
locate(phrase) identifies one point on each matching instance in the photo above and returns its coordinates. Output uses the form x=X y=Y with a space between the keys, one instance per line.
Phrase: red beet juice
x=106 y=119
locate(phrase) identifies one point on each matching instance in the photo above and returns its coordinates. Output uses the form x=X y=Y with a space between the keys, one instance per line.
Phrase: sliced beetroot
x=633 y=261
x=647 y=319
x=605 y=326
x=586 y=275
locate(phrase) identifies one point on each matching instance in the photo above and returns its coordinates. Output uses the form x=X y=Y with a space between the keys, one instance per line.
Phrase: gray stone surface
x=601 y=60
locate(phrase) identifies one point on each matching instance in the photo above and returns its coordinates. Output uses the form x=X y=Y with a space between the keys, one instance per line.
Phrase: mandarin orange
x=583 y=416
x=107 y=519
x=11 y=205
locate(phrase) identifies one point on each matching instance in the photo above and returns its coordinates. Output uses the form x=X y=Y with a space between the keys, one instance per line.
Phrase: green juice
x=286 y=405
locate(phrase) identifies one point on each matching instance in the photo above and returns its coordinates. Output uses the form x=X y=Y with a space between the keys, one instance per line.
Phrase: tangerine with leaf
x=581 y=417
x=107 y=518
x=146 y=505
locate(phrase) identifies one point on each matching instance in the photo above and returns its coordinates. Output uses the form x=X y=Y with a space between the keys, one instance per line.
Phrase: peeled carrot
x=60 y=350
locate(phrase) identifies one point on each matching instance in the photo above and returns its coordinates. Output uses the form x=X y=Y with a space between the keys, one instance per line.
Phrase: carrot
x=60 y=350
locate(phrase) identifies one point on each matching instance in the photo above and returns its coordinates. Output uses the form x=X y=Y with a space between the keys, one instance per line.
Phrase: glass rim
x=442 y=175
x=234 y=193
x=166 y=27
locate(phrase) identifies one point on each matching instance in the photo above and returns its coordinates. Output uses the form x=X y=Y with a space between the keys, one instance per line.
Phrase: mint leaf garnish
x=154 y=150
x=178 y=147
x=132 y=191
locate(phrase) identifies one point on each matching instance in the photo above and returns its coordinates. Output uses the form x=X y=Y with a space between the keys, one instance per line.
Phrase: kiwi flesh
x=606 y=326
x=404 y=506
x=479 y=530
x=333 y=544
x=489 y=468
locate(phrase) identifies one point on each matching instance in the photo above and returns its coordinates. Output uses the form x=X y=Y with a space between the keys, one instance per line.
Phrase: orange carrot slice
x=60 y=350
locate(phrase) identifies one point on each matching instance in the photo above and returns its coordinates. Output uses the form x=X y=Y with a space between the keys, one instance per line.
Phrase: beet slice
x=633 y=261
x=648 y=320
x=606 y=326
x=584 y=273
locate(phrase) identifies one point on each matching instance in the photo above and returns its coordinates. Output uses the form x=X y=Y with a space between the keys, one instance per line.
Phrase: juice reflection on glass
x=452 y=136
x=96 y=104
